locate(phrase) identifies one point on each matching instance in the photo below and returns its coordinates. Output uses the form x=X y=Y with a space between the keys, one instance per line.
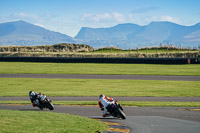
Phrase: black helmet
x=31 y=93
x=102 y=95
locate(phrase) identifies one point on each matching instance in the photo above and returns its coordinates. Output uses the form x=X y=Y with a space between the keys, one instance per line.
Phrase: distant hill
x=23 y=33
x=119 y=32
x=125 y=36
x=132 y=35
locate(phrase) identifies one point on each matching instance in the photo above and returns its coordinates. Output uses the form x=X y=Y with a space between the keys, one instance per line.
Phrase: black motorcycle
x=44 y=102
x=116 y=110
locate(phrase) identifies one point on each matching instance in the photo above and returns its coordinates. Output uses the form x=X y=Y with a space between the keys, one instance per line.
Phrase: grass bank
x=123 y=103
x=94 y=87
x=31 y=121
x=136 y=103
x=87 y=68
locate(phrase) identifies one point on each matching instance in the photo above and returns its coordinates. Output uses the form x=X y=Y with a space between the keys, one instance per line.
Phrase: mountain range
x=125 y=36
x=132 y=35
x=23 y=33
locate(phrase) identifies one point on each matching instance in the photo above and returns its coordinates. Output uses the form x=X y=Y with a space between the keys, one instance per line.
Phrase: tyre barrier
x=103 y=60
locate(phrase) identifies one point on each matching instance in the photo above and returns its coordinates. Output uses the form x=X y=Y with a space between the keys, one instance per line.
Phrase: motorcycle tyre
x=121 y=107
x=50 y=106
x=40 y=107
x=121 y=113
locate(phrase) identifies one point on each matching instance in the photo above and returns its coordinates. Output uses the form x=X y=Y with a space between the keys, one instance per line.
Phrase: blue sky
x=68 y=16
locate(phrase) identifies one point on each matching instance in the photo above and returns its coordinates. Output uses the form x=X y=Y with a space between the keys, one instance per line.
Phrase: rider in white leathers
x=104 y=102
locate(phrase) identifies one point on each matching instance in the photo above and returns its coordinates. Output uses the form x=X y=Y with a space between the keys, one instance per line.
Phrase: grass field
x=35 y=122
x=94 y=87
x=123 y=103
x=87 y=68
x=146 y=50
x=28 y=121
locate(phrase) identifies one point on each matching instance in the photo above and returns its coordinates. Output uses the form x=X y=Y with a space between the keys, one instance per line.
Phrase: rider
x=34 y=97
x=104 y=103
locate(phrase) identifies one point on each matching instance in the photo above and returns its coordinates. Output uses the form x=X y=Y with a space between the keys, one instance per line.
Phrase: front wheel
x=121 y=113
x=50 y=105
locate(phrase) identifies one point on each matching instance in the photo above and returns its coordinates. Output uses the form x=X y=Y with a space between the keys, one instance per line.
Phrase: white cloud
x=33 y=18
x=163 y=18
x=119 y=17
x=96 y=17
x=103 y=17
x=170 y=19
x=131 y=17
x=22 y=15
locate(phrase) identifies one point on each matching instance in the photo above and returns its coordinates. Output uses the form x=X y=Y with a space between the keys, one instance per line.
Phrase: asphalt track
x=95 y=76
x=139 y=119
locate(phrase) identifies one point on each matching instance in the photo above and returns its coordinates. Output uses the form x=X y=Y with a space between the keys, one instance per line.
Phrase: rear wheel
x=40 y=107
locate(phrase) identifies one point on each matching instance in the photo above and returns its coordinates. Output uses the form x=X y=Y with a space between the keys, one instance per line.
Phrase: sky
x=68 y=16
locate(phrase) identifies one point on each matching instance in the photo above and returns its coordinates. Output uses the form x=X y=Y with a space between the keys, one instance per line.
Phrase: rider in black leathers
x=35 y=98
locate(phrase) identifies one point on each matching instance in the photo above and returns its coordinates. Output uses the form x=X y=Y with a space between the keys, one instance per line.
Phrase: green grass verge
x=144 y=51
x=35 y=122
x=160 y=104
x=136 y=103
x=123 y=103
x=94 y=87
x=87 y=68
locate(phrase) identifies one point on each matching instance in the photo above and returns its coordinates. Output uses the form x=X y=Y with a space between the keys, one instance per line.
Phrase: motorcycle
x=116 y=110
x=44 y=102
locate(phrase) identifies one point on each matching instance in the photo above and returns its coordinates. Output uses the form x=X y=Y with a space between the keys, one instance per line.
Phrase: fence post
x=188 y=61
x=156 y=50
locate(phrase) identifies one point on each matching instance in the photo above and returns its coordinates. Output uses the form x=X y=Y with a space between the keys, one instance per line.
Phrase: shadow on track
x=29 y=110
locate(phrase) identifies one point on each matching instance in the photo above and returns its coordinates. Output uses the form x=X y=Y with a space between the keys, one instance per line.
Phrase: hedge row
x=103 y=60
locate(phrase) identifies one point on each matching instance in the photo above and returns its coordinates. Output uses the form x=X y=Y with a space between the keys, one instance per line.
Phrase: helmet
x=102 y=95
x=31 y=93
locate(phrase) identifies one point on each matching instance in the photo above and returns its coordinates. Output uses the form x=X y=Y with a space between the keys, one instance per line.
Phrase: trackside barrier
x=103 y=60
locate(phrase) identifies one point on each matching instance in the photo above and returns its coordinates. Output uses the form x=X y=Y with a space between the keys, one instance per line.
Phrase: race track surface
x=139 y=119
x=94 y=76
